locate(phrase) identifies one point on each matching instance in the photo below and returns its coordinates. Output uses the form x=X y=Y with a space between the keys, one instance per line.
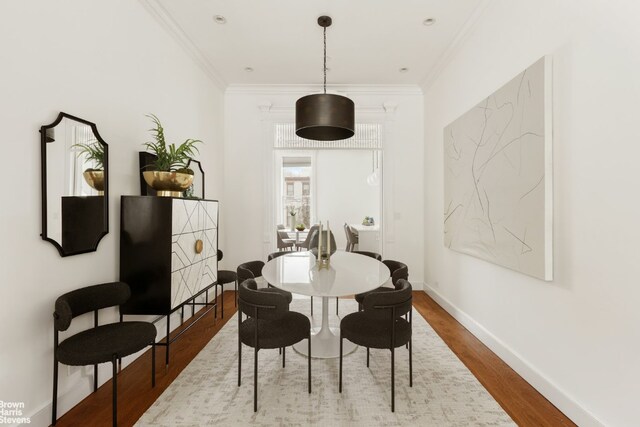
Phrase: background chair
x=307 y=241
x=352 y=237
x=253 y=270
x=399 y=270
x=283 y=240
x=381 y=325
x=270 y=324
x=224 y=277
x=105 y=343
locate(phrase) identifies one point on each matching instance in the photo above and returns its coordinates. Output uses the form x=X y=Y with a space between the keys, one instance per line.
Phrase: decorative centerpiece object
x=169 y=174
x=93 y=151
x=368 y=220
x=292 y=216
x=324 y=247
x=300 y=227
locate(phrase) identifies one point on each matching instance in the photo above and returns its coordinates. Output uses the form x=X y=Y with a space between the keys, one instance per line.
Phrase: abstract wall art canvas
x=498 y=176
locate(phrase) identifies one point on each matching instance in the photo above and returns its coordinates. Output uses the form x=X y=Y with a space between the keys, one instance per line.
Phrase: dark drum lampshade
x=325 y=117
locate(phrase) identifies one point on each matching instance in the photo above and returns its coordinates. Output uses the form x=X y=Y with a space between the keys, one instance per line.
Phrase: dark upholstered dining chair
x=381 y=325
x=374 y=255
x=253 y=270
x=399 y=270
x=224 y=277
x=269 y=325
x=102 y=343
x=274 y=255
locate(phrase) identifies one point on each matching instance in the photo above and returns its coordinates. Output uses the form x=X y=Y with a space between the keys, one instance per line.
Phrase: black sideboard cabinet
x=168 y=252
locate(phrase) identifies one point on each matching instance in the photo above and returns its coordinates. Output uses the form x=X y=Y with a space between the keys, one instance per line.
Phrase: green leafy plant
x=170 y=157
x=92 y=151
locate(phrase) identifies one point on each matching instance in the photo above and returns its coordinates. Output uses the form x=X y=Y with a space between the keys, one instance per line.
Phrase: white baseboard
x=565 y=403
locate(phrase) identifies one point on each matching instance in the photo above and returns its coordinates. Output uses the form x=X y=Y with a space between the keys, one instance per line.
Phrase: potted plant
x=93 y=151
x=168 y=174
x=292 y=210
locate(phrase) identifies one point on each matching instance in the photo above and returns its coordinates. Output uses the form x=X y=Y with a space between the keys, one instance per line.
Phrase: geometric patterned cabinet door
x=168 y=251
x=194 y=237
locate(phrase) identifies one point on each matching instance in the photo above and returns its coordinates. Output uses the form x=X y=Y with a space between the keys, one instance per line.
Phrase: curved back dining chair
x=224 y=277
x=381 y=325
x=269 y=324
x=102 y=343
x=399 y=270
x=253 y=270
x=374 y=255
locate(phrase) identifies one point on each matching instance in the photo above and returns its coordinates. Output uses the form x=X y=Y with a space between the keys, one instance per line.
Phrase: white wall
x=576 y=339
x=250 y=112
x=343 y=194
x=110 y=63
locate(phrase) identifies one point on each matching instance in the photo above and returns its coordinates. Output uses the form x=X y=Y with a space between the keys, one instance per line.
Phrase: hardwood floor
x=520 y=400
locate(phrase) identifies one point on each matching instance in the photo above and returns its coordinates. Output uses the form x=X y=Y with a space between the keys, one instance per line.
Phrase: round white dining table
x=348 y=274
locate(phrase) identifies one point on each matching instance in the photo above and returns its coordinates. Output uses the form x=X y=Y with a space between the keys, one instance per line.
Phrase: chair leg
x=311 y=306
x=393 y=381
x=367 y=357
x=222 y=301
x=168 y=332
x=54 y=405
x=340 y=376
x=153 y=365
x=309 y=360
x=95 y=377
x=235 y=287
x=283 y=355
x=239 y=348
x=255 y=380
x=410 y=366
x=337 y=303
x=215 y=302
x=115 y=391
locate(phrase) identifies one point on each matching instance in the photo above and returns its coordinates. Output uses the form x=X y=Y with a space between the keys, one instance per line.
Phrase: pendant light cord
x=325 y=60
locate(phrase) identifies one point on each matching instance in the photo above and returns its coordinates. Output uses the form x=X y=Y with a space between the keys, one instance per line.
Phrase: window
x=295 y=173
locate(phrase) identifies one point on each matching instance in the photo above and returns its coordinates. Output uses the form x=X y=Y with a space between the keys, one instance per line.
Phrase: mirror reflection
x=74 y=185
x=197 y=188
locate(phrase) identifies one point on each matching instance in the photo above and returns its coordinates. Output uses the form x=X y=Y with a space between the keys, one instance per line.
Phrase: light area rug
x=444 y=392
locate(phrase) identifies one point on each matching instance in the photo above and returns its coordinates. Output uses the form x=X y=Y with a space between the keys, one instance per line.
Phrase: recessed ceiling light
x=403 y=69
x=219 y=19
x=429 y=21
x=248 y=69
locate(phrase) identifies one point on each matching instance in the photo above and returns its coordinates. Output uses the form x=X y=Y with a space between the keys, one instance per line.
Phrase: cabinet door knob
x=199 y=246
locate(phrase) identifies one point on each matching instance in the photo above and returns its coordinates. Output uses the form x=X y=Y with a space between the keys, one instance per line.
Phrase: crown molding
x=166 y=21
x=454 y=46
x=275 y=89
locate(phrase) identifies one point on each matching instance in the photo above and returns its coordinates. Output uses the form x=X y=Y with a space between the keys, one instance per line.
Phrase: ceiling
x=368 y=43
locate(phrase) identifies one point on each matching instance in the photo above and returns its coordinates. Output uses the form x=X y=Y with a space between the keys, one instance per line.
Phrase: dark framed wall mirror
x=75 y=185
x=195 y=191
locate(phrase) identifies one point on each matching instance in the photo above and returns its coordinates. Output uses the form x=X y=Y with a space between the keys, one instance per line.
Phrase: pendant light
x=324 y=116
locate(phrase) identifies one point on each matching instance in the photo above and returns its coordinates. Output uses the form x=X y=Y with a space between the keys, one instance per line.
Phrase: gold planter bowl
x=95 y=179
x=168 y=184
